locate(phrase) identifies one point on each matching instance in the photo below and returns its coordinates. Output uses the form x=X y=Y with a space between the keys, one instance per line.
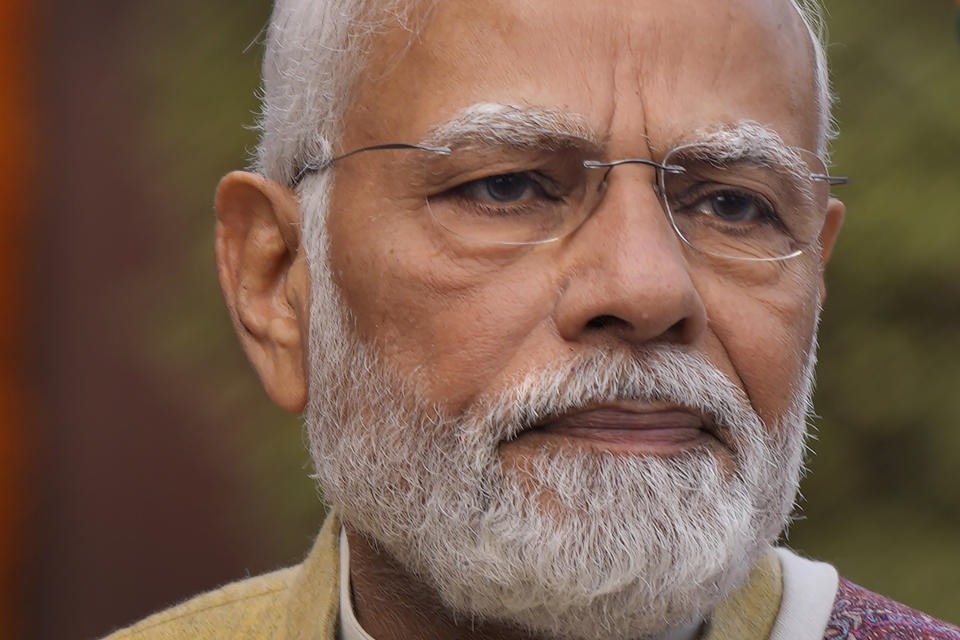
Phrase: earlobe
x=257 y=244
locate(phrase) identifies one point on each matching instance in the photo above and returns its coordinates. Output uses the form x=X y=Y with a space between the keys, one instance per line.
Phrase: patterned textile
x=859 y=614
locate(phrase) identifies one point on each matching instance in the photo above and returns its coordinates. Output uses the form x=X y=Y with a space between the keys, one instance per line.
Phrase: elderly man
x=544 y=277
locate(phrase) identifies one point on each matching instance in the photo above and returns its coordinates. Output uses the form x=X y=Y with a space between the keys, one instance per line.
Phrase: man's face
x=603 y=428
x=645 y=76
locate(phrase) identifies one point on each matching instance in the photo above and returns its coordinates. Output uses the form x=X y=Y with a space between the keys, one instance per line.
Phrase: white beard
x=629 y=546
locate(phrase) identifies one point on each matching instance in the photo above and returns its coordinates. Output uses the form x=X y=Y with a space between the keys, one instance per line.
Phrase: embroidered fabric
x=859 y=614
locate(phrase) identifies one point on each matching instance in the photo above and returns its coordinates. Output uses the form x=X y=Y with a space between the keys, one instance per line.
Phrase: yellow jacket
x=299 y=603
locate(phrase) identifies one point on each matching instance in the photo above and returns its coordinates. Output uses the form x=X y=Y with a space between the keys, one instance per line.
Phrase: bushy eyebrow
x=749 y=142
x=555 y=129
x=548 y=129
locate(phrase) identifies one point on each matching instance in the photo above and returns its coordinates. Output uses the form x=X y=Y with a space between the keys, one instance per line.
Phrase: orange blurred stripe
x=16 y=138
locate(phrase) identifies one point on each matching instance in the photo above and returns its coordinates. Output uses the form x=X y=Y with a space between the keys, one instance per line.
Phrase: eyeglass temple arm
x=831 y=180
x=311 y=167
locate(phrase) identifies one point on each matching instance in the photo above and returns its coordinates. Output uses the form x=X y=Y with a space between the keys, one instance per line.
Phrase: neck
x=391 y=603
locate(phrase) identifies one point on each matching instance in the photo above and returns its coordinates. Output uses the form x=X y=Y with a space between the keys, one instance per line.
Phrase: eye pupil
x=508 y=187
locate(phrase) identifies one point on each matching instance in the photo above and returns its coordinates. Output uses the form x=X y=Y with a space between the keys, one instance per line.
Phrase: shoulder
x=859 y=614
x=301 y=601
x=247 y=609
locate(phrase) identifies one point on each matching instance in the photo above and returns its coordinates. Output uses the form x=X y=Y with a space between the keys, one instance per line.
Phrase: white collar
x=350 y=628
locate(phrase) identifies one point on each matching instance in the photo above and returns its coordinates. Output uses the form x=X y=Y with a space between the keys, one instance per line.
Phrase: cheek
x=766 y=333
x=477 y=336
x=456 y=323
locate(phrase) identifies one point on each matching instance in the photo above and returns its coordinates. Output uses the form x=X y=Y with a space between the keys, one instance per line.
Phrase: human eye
x=727 y=205
x=509 y=192
x=506 y=197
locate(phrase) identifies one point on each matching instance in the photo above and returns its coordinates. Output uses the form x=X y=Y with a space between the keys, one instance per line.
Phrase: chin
x=592 y=545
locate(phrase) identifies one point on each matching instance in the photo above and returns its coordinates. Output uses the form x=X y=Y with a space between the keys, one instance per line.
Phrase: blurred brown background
x=156 y=468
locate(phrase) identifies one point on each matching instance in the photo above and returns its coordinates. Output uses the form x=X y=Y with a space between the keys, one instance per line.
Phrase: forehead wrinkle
x=545 y=128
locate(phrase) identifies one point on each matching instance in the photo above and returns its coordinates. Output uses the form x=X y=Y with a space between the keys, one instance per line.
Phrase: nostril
x=606 y=322
x=680 y=332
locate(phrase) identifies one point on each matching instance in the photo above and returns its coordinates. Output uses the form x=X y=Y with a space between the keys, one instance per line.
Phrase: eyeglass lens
x=732 y=207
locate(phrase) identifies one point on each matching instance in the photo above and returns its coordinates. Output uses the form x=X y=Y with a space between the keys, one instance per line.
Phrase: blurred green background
x=163 y=469
x=883 y=499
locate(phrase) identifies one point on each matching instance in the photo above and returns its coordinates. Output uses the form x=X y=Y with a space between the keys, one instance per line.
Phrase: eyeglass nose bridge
x=659 y=166
x=600 y=186
x=658 y=185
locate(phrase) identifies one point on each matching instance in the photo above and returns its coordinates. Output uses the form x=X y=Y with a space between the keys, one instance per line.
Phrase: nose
x=627 y=275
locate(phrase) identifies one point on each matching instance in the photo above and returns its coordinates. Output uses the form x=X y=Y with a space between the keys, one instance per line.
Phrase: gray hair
x=812 y=14
x=313 y=53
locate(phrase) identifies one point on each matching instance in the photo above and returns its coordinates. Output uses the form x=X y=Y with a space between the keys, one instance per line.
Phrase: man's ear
x=828 y=238
x=264 y=279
